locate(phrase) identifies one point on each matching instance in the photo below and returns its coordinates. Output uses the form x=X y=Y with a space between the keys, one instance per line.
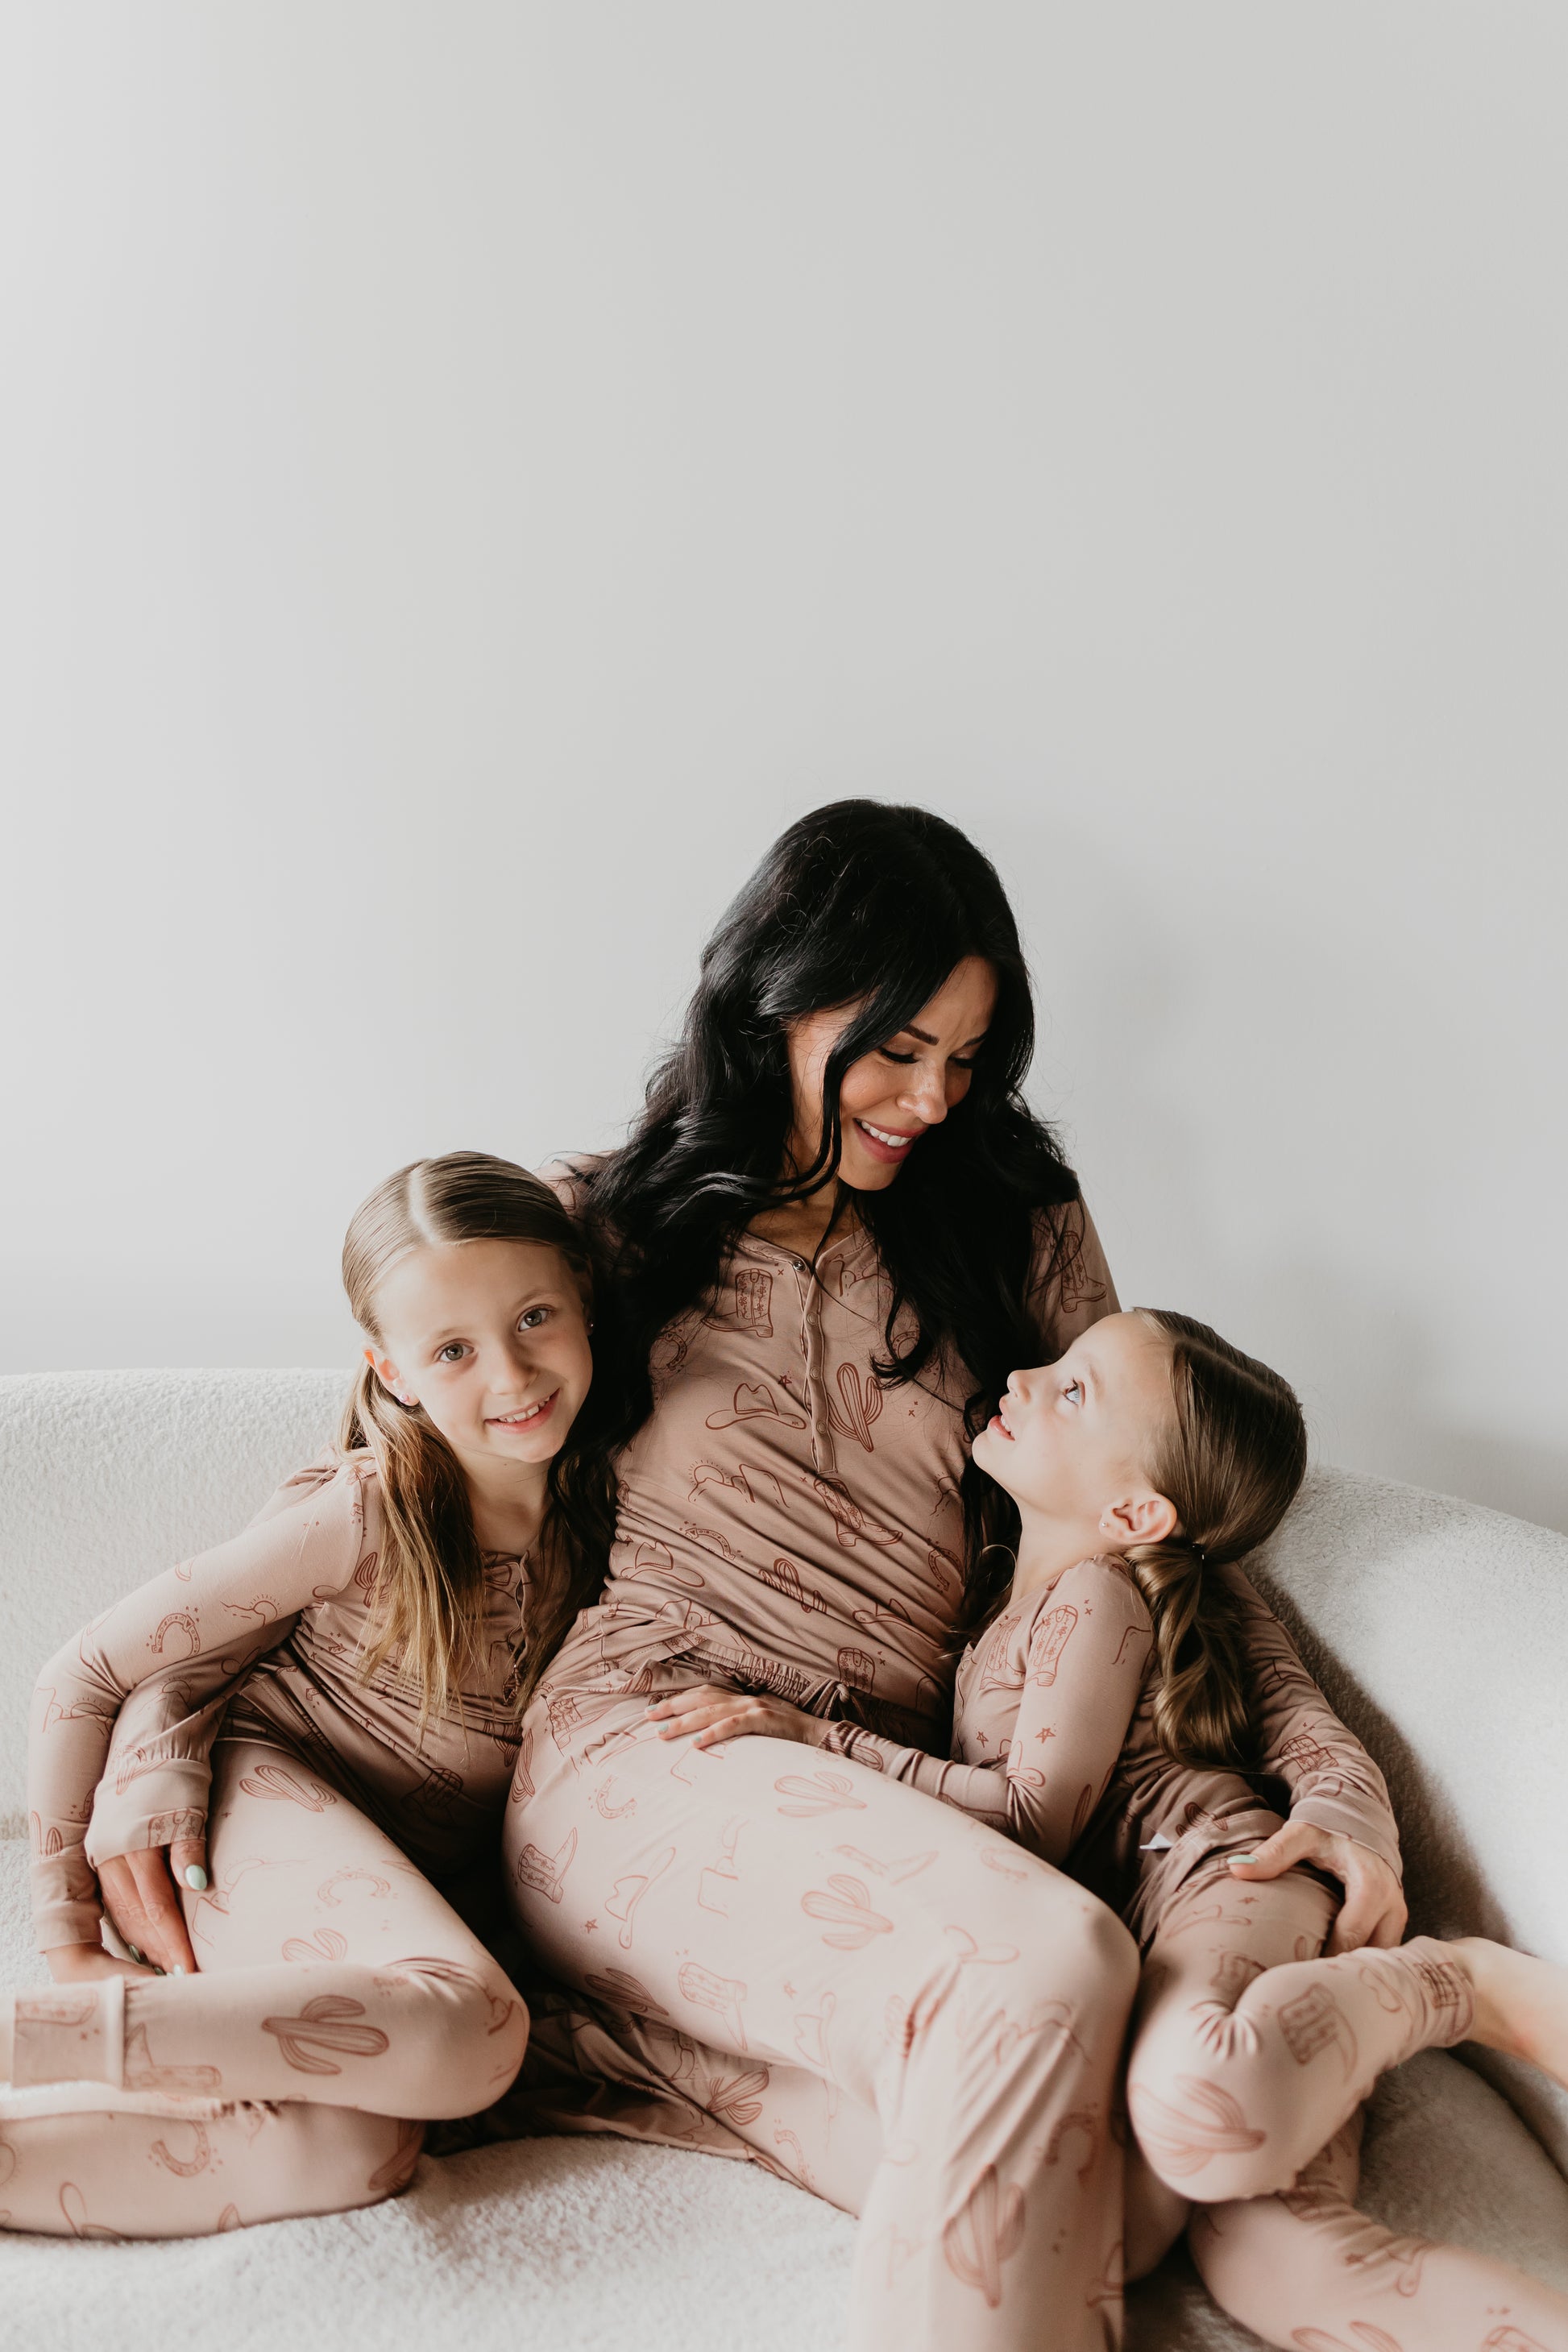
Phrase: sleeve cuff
x=1348 y=1821
x=168 y=1802
x=66 y=1909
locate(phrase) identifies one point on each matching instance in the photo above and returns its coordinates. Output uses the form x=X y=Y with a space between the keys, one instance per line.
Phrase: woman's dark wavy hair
x=871 y=906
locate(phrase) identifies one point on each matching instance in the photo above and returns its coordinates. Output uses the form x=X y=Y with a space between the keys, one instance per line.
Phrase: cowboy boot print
x=546 y=1873
x=724 y=1995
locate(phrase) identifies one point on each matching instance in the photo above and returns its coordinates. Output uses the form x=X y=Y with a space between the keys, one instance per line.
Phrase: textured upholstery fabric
x=1439 y=1630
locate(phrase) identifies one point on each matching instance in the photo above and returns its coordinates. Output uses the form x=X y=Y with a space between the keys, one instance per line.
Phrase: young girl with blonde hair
x=365 y=1649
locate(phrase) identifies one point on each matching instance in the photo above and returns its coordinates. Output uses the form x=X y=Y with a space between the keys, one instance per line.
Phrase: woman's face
x=893 y=1097
x=491 y=1339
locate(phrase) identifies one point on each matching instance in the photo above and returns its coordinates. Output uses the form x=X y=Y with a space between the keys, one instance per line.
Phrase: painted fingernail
x=195 y=1877
x=136 y=1956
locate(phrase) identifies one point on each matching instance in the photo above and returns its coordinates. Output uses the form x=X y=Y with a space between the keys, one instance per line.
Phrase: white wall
x=474 y=470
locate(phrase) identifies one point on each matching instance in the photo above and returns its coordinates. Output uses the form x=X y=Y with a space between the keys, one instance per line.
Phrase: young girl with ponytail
x=364 y=1650
x=1103 y=1721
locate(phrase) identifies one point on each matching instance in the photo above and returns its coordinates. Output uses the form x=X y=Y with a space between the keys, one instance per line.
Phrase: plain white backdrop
x=474 y=470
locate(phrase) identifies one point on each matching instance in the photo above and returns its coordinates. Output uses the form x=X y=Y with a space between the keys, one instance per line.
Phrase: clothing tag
x=1158 y=1843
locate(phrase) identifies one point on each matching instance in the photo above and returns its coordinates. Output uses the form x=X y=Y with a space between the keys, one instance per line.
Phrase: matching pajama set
x=858 y=1963
x=926 y=2021
x=341 y=2000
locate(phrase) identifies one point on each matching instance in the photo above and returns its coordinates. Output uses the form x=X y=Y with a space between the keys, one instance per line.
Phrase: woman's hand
x=712 y=1713
x=140 y=1895
x=1373 y=1909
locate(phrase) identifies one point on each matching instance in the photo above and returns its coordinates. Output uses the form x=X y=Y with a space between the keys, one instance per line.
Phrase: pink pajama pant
x=1224 y=2074
x=948 y=2012
x=340 y=2002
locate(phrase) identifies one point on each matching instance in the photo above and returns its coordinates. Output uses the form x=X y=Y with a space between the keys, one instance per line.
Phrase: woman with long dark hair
x=835 y=1231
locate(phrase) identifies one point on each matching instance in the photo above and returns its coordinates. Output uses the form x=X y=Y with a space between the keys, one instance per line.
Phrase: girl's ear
x=389 y=1376
x=1145 y=1518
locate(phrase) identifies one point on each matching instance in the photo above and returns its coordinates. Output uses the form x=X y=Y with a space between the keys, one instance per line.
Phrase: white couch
x=1439 y=1630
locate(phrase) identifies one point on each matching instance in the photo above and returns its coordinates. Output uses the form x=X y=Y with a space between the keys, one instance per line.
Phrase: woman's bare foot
x=1521 y=2003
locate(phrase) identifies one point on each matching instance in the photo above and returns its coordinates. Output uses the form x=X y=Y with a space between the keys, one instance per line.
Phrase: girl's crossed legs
x=339 y=2001
x=1251 y=2059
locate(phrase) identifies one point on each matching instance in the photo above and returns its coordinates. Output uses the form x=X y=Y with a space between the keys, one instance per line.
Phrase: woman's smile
x=887 y=1143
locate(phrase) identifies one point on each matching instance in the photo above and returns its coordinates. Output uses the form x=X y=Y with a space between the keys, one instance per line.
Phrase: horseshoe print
x=186 y=1622
x=199 y=2160
x=327 y=1892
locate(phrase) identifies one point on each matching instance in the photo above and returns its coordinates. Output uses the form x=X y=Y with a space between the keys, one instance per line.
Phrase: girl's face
x=1070 y=1442
x=892 y=1097
x=491 y=1339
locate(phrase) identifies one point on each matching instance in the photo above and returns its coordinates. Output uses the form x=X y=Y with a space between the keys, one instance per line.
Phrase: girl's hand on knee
x=1372 y=1911
x=708 y=1714
x=141 y=1895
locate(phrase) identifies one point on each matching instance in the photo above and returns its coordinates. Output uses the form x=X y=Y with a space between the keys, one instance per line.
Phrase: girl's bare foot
x=1521 y=2003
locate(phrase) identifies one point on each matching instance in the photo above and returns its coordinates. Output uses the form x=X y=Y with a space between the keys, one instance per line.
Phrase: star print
x=590 y=1927
x=1043 y=1736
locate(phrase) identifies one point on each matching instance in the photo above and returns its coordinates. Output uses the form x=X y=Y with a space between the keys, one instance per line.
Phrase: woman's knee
x=1079 y=1953
x=466 y=2042
x=1091 y=1946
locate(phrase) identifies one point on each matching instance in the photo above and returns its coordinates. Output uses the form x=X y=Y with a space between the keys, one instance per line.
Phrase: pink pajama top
x=263 y=1636
x=786 y=1524
x=1053 y=1746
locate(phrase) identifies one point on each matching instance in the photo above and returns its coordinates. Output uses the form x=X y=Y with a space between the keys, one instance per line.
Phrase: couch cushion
x=107 y=1478
x=1439 y=1631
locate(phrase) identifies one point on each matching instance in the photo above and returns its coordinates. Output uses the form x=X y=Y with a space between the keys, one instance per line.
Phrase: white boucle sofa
x=1439 y=1630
